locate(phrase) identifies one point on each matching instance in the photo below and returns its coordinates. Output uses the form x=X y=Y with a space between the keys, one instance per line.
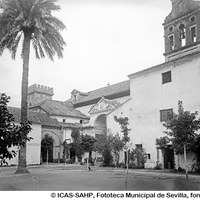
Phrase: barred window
x=166 y=114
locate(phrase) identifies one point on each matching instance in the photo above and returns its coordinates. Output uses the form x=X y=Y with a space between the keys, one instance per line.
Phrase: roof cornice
x=177 y=61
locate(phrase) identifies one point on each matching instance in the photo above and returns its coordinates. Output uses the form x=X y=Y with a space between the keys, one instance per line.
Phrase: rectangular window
x=193 y=34
x=166 y=77
x=166 y=114
x=171 y=42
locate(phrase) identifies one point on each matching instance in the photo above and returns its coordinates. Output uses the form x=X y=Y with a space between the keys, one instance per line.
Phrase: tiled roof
x=110 y=92
x=59 y=108
x=32 y=116
x=47 y=121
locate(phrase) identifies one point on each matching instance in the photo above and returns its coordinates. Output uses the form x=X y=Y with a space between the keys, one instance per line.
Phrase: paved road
x=76 y=178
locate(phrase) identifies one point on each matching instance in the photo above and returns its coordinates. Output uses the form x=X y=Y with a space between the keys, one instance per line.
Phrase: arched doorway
x=55 y=147
x=47 y=148
x=100 y=124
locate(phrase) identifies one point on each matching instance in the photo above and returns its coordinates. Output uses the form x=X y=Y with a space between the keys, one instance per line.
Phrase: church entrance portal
x=100 y=124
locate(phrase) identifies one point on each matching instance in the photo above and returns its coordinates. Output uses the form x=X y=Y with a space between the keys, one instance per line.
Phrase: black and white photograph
x=100 y=99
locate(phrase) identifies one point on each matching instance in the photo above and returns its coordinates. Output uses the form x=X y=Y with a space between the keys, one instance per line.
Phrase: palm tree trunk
x=24 y=93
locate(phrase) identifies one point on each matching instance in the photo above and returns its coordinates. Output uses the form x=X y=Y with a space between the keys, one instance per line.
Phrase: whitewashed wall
x=150 y=96
x=33 y=148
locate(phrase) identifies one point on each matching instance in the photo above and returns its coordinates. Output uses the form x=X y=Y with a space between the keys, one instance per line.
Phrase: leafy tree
x=76 y=143
x=123 y=122
x=47 y=145
x=140 y=155
x=162 y=143
x=87 y=143
x=107 y=145
x=182 y=129
x=103 y=147
x=32 y=22
x=117 y=145
x=10 y=134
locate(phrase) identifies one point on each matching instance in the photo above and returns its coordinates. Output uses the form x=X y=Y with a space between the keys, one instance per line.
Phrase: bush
x=196 y=167
x=132 y=166
x=181 y=169
x=158 y=166
x=122 y=165
x=107 y=165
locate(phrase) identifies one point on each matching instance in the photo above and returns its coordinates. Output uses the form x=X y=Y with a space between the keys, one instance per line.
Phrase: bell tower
x=182 y=29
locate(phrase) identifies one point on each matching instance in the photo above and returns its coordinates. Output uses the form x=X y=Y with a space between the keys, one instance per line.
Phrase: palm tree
x=32 y=22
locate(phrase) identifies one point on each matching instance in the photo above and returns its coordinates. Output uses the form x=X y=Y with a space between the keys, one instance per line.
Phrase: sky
x=106 y=41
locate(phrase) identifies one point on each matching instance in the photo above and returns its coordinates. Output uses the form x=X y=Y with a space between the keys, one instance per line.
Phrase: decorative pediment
x=104 y=105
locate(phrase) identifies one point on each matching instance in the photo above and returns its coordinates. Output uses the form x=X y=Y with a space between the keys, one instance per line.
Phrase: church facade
x=147 y=98
x=151 y=95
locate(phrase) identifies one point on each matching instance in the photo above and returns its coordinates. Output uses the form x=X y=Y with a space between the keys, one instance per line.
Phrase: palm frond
x=35 y=16
x=10 y=41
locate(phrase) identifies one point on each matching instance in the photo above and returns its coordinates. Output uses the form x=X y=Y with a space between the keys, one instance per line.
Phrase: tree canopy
x=10 y=133
x=34 y=17
x=123 y=122
x=109 y=144
x=87 y=143
x=182 y=128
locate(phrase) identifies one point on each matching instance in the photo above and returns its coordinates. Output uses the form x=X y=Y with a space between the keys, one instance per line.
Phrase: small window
x=64 y=120
x=166 y=77
x=166 y=115
x=171 y=42
x=193 y=34
x=148 y=156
